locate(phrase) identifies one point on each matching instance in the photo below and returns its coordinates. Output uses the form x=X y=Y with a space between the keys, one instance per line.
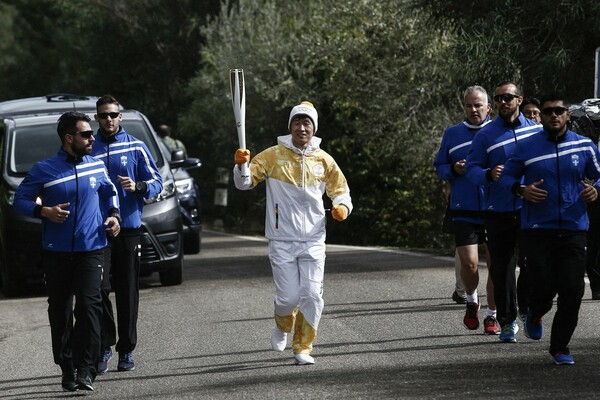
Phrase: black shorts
x=467 y=233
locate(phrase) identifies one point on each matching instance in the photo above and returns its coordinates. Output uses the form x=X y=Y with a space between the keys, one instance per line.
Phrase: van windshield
x=30 y=144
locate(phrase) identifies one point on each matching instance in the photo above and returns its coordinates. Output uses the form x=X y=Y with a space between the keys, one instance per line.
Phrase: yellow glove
x=242 y=156
x=339 y=212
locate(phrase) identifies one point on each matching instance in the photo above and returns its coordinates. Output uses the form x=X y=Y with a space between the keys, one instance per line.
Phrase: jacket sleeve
x=109 y=198
x=147 y=172
x=477 y=169
x=337 y=188
x=27 y=193
x=258 y=167
x=513 y=171
x=593 y=166
x=442 y=162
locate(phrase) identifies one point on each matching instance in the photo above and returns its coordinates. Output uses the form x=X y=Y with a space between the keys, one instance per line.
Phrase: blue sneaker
x=563 y=359
x=107 y=355
x=125 y=362
x=533 y=327
x=509 y=332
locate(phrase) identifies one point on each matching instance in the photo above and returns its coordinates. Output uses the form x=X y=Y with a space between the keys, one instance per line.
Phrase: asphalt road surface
x=389 y=331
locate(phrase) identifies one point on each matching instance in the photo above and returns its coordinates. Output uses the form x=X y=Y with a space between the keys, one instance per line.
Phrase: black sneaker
x=126 y=362
x=68 y=378
x=458 y=299
x=84 y=382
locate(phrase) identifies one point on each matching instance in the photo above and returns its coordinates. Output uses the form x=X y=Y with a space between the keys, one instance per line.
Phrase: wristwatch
x=140 y=187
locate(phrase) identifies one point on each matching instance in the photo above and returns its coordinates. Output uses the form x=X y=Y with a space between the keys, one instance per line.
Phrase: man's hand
x=57 y=214
x=339 y=212
x=127 y=183
x=242 y=156
x=112 y=227
x=459 y=167
x=589 y=192
x=496 y=172
x=533 y=193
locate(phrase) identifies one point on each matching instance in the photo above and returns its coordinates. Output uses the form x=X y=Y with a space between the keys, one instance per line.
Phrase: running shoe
x=533 y=327
x=278 y=339
x=68 y=377
x=126 y=362
x=491 y=326
x=107 y=355
x=458 y=299
x=471 y=319
x=304 y=359
x=509 y=332
x=84 y=382
x=563 y=359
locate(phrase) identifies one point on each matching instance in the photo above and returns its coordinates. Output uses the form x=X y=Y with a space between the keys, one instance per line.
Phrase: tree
x=543 y=45
x=376 y=77
x=142 y=51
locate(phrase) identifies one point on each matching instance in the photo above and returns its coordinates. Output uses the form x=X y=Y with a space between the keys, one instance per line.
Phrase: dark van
x=27 y=135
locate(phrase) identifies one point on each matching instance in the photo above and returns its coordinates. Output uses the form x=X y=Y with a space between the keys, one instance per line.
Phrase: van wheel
x=191 y=243
x=173 y=276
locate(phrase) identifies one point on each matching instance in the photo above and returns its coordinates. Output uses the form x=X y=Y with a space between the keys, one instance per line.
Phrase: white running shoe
x=303 y=359
x=278 y=340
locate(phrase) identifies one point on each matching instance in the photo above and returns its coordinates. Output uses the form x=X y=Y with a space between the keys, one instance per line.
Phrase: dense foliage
x=385 y=76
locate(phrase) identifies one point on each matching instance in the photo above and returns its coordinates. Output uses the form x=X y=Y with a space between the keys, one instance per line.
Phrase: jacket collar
x=109 y=139
x=313 y=145
x=486 y=121
x=68 y=157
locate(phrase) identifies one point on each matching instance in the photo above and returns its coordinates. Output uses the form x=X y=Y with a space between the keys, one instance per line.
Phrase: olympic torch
x=238 y=99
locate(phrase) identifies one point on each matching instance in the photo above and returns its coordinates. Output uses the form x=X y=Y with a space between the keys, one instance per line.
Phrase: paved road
x=389 y=331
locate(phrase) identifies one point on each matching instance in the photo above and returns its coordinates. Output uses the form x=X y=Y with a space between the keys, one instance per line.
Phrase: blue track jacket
x=126 y=155
x=492 y=146
x=84 y=183
x=562 y=164
x=467 y=199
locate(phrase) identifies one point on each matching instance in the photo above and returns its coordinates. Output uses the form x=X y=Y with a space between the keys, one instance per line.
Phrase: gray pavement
x=389 y=331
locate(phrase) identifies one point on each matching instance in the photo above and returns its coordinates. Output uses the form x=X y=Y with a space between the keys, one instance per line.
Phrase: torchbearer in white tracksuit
x=297 y=174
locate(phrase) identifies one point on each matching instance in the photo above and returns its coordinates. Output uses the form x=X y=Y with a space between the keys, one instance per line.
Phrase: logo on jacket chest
x=318 y=170
x=92 y=182
x=575 y=159
x=124 y=160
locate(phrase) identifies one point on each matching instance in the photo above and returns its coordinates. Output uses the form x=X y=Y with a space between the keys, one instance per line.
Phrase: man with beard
x=557 y=167
x=467 y=203
x=75 y=194
x=490 y=149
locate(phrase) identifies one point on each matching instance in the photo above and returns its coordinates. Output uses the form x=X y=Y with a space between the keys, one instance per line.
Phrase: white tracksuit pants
x=298 y=270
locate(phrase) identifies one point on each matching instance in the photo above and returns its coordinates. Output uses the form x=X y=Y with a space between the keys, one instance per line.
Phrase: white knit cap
x=305 y=108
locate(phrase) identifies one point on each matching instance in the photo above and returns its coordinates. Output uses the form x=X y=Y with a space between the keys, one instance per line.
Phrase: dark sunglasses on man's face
x=556 y=110
x=105 y=115
x=85 y=134
x=506 y=97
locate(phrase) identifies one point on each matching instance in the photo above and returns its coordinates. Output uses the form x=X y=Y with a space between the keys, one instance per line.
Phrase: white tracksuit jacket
x=296 y=182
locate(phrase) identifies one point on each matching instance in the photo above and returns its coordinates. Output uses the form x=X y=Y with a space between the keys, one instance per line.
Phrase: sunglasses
x=506 y=97
x=556 y=110
x=84 y=134
x=105 y=115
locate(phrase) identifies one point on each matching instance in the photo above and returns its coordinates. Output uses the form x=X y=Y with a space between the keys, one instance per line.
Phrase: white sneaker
x=303 y=359
x=278 y=340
